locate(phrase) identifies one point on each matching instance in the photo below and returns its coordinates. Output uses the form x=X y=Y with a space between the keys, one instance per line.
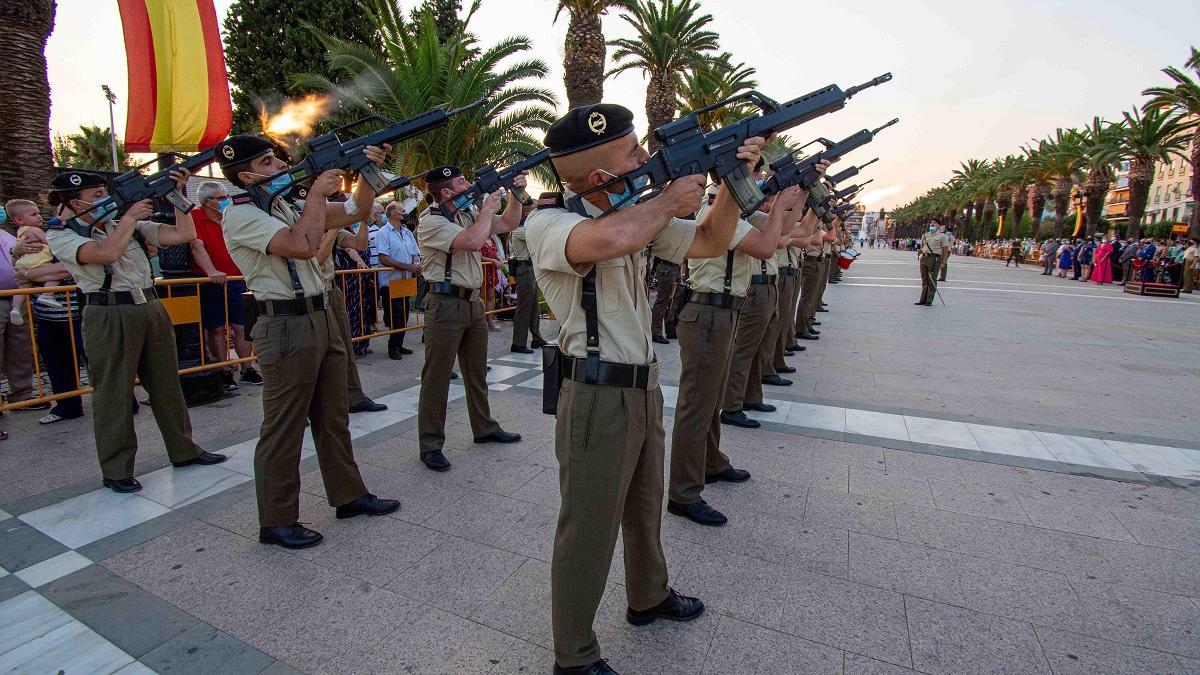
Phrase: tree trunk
x=1020 y=204
x=1194 y=225
x=583 y=59
x=1062 y=202
x=660 y=104
x=1095 y=189
x=28 y=166
x=1141 y=175
x=1038 y=192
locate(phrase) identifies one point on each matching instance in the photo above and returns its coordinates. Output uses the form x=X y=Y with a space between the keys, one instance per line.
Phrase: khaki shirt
x=623 y=312
x=435 y=234
x=344 y=239
x=933 y=242
x=248 y=231
x=797 y=255
x=783 y=257
x=516 y=242
x=708 y=274
x=826 y=248
x=768 y=266
x=130 y=271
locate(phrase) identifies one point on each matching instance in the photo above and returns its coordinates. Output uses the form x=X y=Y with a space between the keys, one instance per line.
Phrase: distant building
x=1116 y=205
x=1171 y=197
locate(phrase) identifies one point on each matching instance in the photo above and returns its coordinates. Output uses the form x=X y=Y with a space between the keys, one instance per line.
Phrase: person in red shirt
x=222 y=298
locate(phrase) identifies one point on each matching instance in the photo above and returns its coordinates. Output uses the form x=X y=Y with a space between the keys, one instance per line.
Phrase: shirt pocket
x=610 y=277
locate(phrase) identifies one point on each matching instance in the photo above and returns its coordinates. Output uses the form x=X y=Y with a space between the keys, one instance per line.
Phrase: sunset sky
x=972 y=79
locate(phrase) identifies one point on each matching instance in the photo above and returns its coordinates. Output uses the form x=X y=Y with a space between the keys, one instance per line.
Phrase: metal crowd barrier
x=184 y=310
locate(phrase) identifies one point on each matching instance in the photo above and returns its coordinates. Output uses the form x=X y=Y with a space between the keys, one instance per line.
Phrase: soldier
x=810 y=284
x=126 y=331
x=450 y=235
x=297 y=336
x=527 y=320
x=716 y=291
x=791 y=261
x=666 y=276
x=933 y=247
x=609 y=436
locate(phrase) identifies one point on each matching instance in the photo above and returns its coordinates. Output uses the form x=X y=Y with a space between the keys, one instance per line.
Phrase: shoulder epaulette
x=551 y=200
x=243 y=198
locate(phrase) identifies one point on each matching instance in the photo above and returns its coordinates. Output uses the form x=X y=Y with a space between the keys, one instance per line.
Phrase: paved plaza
x=1009 y=483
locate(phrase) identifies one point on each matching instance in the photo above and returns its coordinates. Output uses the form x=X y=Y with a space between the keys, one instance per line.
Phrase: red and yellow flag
x=178 y=87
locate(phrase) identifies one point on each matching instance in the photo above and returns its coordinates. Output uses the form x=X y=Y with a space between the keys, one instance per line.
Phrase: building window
x=1175 y=214
x=1158 y=194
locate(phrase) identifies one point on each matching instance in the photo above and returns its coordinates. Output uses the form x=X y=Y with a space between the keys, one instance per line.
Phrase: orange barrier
x=184 y=310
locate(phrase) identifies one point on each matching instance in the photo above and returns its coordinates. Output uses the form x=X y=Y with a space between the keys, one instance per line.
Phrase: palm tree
x=714 y=80
x=1041 y=173
x=25 y=105
x=1183 y=99
x=1146 y=137
x=670 y=39
x=1007 y=175
x=416 y=72
x=584 y=50
x=91 y=148
x=1101 y=154
x=1061 y=158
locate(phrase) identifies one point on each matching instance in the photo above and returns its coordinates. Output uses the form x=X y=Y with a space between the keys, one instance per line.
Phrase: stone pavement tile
x=27 y=617
x=532 y=534
x=857 y=664
x=1074 y=654
x=939 y=432
x=520 y=605
x=735 y=536
x=953 y=494
x=381 y=551
x=870 y=515
x=1073 y=515
x=855 y=454
x=11 y=586
x=905 y=568
x=1160 y=529
x=523 y=658
x=48 y=570
x=1116 y=494
x=429 y=640
x=71 y=648
x=740 y=647
x=542 y=455
x=760 y=496
x=745 y=588
x=541 y=489
x=661 y=647
x=482 y=468
x=22 y=545
x=479 y=516
x=1158 y=460
x=871 y=423
x=905 y=487
x=678 y=554
x=456 y=576
x=205 y=649
x=812 y=547
x=336 y=624
x=72 y=521
x=949 y=639
x=1135 y=616
x=138 y=534
x=1035 y=596
x=1013 y=442
x=133 y=619
x=1156 y=569
x=1087 y=453
x=847 y=615
x=242 y=517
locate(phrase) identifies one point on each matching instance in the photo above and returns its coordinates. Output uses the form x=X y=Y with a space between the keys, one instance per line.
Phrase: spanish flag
x=178 y=87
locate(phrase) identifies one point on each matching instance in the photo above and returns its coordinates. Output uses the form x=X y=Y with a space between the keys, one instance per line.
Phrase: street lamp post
x=112 y=125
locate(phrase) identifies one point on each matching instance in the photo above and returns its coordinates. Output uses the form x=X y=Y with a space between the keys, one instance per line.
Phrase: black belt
x=294 y=307
x=787 y=271
x=762 y=279
x=119 y=297
x=515 y=264
x=612 y=374
x=724 y=300
x=443 y=288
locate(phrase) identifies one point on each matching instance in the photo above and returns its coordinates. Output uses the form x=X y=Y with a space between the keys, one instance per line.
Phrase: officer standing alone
x=450 y=235
x=933 y=248
x=296 y=336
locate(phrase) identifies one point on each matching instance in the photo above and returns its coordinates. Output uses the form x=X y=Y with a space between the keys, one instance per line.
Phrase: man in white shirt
x=397 y=248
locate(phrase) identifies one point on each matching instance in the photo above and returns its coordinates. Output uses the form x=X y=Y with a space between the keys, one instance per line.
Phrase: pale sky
x=972 y=79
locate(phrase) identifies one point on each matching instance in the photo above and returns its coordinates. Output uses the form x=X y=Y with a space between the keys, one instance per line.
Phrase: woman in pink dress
x=1102 y=263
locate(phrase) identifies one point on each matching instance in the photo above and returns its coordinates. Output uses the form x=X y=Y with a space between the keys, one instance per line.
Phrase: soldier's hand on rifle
x=750 y=151
x=823 y=165
x=138 y=212
x=491 y=203
x=520 y=182
x=684 y=194
x=377 y=154
x=326 y=184
x=791 y=199
x=180 y=175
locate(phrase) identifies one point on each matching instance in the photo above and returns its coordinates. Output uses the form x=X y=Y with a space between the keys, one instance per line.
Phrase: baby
x=28 y=221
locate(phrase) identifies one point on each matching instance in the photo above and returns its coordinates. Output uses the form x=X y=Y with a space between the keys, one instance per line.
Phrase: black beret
x=588 y=126
x=76 y=180
x=441 y=173
x=242 y=148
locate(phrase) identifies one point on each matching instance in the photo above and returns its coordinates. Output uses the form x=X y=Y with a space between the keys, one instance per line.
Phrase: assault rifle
x=488 y=179
x=849 y=173
x=789 y=171
x=687 y=150
x=328 y=151
x=133 y=186
x=847 y=193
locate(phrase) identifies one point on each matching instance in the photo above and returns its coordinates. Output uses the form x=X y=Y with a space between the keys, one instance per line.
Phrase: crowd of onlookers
x=385 y=241
x=1101 y=259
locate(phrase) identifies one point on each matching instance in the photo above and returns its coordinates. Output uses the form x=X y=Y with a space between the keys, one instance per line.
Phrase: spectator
x=1191 y=263
x=1146 y=258
x=222 y=298
x=16 y=356
x=398 y=250
x=1066 y=259
x=1128 y=253
x=491 y=277
x=1102 y=263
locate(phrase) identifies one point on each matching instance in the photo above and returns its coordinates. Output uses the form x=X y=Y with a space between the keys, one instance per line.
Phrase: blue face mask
x=277 y=186
x=461 y=202
x=224 y=204
x=3 y=216
x=625 y=199
x=932 y=228
x=102 y=210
